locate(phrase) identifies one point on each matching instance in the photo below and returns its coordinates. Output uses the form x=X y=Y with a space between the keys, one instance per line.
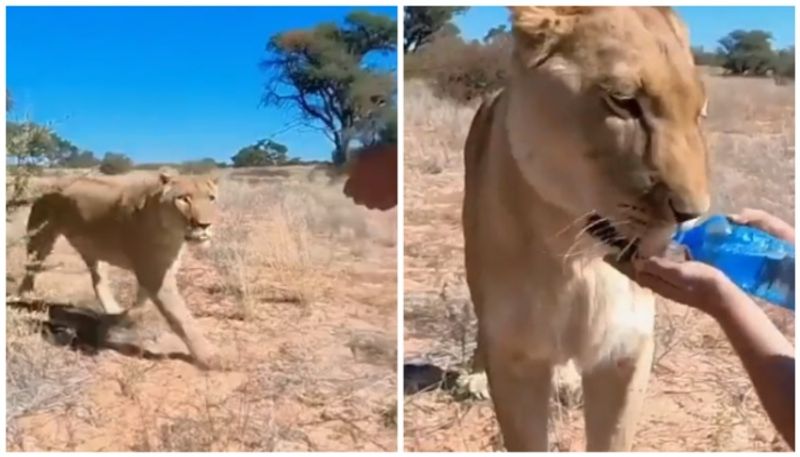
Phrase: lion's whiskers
x=573 y=223
x=571 y=251
x=625 y=249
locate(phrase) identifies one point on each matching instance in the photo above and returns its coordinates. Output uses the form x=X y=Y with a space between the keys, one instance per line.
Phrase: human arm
x=766 y=354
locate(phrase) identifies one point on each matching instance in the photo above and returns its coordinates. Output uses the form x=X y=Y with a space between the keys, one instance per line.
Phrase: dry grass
x=298 y=290
x=699 y=397
x=40 y=377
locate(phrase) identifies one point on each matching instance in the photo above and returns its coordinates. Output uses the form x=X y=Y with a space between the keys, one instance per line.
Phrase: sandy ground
x=298 y=289
x=699 y=397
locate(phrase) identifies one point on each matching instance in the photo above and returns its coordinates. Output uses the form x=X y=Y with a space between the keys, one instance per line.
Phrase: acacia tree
x=261 y=154
x=747 y=52
x=422 y=24
x=323 y=73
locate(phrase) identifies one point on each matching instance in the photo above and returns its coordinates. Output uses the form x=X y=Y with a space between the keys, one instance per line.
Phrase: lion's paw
x=473 y=385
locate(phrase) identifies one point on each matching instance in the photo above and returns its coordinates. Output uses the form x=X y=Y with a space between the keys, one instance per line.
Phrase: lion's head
x=188 y=204
x=604 y=114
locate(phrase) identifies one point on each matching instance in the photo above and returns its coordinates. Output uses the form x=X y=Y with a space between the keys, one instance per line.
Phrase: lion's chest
x=589 y=313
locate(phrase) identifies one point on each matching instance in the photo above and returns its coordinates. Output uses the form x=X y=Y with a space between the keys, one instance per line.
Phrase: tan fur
x=138 y=222
x=542 y=155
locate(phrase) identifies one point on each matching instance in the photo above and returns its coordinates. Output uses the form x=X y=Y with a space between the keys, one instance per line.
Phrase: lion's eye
x=184 y=198
x=212 y=197
x=624 y=106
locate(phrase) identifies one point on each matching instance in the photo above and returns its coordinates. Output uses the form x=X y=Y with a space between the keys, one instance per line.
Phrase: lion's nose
x=201 y=225
x=681 y=216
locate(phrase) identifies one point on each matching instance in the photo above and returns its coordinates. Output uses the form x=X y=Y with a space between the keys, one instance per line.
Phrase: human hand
x=767 y=222
x=372 y=180
x=692 y=283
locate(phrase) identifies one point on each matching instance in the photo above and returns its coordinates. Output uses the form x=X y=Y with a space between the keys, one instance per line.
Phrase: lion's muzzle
x=198 y=233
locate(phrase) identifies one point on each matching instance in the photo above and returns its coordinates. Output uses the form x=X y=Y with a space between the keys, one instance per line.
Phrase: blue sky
x=157 y=83
x=707 y=24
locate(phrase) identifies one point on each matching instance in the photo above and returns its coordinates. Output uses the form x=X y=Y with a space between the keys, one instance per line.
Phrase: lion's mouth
x=197 y=237
x=602 y=229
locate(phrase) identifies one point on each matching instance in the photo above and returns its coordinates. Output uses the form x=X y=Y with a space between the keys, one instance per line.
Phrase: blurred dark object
x=423 y=376
x=372 y=180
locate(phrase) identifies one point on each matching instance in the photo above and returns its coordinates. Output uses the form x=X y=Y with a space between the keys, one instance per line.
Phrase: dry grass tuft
x=39 y=376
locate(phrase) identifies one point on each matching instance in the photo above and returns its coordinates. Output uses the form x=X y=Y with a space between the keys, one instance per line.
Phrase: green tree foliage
x=748 y=52
x=115 y=163
x=424 y=24
x=496 y=34
x=30 y=144
x=68 y=155
x=707 y=58
x=29 y=147
x=785 y=63
x=261 y=154
x=80 y=159
x=323 y=73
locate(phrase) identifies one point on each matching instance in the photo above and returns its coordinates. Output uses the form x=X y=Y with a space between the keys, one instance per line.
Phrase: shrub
x=198 y=167
x=261 y=154
x=115 y=164
x=459 y=70
x=29 y=147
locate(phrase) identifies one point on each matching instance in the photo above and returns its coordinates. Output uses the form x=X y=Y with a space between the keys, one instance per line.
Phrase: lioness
x=138 y=222
x=593 y=148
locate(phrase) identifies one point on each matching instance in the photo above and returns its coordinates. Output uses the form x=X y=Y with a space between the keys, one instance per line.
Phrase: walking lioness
x=592 y=149
x=139 y=222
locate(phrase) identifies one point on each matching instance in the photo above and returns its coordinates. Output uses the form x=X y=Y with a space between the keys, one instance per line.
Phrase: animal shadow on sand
x=422 y=376
x=90 y=331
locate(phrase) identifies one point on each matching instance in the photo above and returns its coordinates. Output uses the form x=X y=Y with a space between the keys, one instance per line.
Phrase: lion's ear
x=165 y=177
x=538 y=29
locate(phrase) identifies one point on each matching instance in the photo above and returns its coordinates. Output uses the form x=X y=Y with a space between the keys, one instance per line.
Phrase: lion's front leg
x=613 y=395
x=474 y=384
x=102 y=285
x=170 y=303
x=520 y=389
x=520 y=381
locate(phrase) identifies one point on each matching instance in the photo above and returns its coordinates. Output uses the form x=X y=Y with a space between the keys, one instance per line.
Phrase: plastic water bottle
x=756 y=261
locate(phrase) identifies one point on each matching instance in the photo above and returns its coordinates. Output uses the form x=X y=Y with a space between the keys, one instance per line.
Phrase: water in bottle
x=761 y=264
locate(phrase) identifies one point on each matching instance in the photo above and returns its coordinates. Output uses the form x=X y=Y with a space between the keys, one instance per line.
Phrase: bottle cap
x=685 y=227
x=688 y=225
